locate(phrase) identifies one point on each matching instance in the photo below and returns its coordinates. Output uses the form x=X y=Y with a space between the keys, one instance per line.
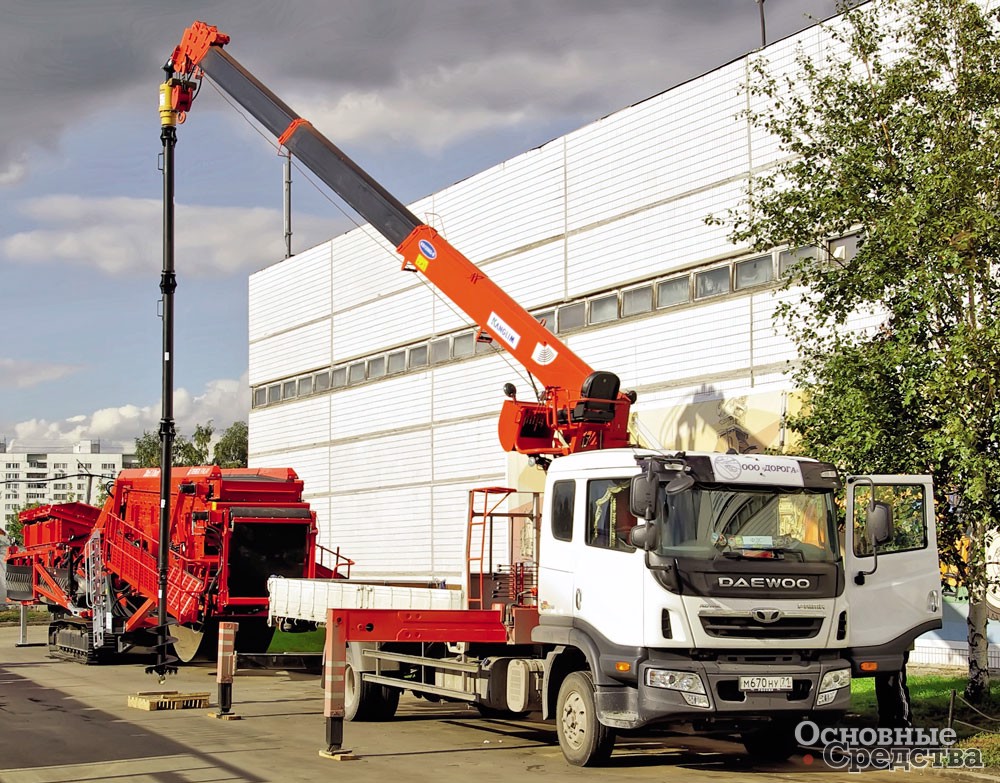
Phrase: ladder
x=504 y=579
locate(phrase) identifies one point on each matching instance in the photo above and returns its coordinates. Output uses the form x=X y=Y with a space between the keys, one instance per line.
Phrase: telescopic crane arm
x=579 y=409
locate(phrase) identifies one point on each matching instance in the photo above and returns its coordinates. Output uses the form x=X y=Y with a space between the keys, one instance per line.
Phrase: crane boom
x=580 y=409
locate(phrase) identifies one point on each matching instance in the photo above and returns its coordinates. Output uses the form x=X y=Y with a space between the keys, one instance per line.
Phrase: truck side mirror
x=644 y=496
x=878 y=524
x=679 y=483
x=645 y=537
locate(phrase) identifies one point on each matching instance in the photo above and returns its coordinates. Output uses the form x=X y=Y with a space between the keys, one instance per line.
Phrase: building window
x=396 y=362
x=604 y=309
x=754 y=272
x=572 y=316
x=338 y=378
x=637 y=300
x=713 y=282
x=418 y=356
x=321 y=381
x=273 y=394
x=305 y=386
x=463 y=345
x=376 y=367
x=440 y=350
x=547 y=318
x=289 y=390
x=845 y=248
x=260 y=397
x=673 y=292
x=789 y=259
x=356 y=373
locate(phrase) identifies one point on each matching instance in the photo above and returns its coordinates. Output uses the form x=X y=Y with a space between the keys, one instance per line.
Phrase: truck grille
x=747 y=627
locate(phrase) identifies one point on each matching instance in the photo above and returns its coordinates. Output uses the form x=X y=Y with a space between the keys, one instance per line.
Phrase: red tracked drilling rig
x=230 y=529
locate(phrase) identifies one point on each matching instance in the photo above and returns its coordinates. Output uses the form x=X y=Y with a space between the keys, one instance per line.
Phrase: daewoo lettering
x=775 y=582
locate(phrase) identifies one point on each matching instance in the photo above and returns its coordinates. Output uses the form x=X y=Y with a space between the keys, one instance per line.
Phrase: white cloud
x=122 y=236
x=437 y=107
x=25 y=373
x=221 y=401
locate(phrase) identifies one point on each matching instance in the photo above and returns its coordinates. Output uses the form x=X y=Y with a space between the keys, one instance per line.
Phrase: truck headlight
x=830 y=684
x=832 y=681
x=686 y=682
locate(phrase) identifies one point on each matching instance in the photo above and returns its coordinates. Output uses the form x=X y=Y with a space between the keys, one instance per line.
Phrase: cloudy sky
x=422 y=93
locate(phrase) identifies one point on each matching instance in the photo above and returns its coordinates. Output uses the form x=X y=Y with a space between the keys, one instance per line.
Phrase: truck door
x=894 y=595
x=608 y=574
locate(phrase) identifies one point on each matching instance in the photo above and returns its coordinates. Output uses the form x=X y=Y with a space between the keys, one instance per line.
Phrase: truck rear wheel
x=367 y=701
x=584 y=740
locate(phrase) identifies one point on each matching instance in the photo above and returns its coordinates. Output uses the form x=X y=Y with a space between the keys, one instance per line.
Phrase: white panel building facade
x=374 y=390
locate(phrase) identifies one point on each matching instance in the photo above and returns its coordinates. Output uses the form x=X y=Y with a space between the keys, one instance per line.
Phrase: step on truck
x=710 y=590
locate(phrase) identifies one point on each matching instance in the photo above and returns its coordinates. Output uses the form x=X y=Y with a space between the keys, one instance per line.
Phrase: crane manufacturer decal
x=427 y=254
x=501 y=329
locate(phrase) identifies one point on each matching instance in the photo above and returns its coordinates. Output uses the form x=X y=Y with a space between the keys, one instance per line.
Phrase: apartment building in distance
x=56 y=474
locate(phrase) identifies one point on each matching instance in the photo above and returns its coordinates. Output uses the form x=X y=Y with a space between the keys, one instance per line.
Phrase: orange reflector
x=869 y=666
x=623 y=666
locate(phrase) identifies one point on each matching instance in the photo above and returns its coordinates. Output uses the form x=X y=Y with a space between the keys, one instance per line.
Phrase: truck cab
x=716 y=589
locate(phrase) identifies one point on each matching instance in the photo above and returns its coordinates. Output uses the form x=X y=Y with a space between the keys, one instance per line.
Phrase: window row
x=660 y=294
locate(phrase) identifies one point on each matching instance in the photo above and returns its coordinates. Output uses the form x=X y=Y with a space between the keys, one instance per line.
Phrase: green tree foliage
x=230 y=451
x=184 y=452
x=895 y=132
x=232 y=447
x=12 y=524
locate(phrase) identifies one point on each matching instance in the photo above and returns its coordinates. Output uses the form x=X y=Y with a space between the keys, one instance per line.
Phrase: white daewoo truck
x=706 y=590
x=710 y=590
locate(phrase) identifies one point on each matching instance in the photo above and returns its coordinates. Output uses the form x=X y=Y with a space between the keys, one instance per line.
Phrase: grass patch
x=988 y=744
x=12 y=616
x=305 y=642
x=929 y=698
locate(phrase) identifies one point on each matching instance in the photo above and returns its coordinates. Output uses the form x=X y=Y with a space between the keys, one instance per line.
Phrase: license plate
x=760 y=684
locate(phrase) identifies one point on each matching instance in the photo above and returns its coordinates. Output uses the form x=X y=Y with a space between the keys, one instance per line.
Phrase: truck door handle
x=578 y=598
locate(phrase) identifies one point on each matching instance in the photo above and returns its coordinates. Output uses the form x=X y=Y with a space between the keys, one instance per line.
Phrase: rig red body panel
x=96 y=568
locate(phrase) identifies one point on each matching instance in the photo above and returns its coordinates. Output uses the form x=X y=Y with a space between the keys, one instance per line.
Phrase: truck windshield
x=710 y=522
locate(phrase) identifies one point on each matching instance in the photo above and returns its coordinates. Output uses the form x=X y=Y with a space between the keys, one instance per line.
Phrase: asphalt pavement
x=62 y=722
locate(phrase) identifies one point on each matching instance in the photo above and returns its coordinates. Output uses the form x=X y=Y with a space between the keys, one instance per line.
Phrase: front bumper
x=632 y=707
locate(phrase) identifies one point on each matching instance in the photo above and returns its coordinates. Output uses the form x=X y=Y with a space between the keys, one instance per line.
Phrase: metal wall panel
x=659 y=149
x=365 y=267
x=468 y=450
x=400 y=317
x=692 y=342
x=389 y=460
x=654 y=241
x=287 y=353
x=512 y=205
x=395 y=403
x=385 y=531
x=304 y=422
x=291 y=293
x=475 y=387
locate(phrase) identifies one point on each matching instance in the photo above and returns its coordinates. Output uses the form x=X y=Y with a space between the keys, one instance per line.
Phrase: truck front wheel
x=584 y=740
